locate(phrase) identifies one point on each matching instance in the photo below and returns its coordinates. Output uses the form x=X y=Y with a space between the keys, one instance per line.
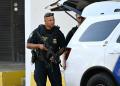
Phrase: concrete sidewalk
x=11 y=66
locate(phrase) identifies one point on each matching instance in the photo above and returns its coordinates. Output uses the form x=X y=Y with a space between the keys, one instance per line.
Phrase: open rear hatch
x=77 y=4
x=90 y=7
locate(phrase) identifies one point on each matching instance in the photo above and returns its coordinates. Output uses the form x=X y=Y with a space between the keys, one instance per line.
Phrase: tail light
x=67 y=52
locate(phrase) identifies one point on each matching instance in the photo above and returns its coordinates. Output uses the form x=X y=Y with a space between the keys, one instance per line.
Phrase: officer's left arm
x=60 y=52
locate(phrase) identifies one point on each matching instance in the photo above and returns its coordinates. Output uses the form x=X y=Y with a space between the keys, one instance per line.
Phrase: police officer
x=70 y=34
x=55 y=38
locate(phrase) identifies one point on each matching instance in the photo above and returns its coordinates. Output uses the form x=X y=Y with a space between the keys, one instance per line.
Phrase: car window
x=118 y=40
x=99 y=31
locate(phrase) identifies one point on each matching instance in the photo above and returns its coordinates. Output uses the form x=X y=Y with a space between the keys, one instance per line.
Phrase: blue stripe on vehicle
x=116 y=70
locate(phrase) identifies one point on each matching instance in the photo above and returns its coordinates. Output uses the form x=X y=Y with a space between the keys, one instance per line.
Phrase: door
x=112 y=54
x=12 y=43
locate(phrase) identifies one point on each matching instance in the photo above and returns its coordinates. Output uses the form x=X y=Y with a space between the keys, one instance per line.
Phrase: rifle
x=49 y=51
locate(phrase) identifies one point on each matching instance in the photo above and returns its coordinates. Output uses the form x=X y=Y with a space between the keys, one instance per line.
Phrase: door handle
x=114 y=53
x=105 y=43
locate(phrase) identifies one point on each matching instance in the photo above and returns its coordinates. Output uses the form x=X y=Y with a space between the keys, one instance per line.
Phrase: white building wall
x=27 y=31
x=34 y=15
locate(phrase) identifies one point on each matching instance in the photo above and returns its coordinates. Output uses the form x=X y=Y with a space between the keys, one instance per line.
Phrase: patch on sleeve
x=30 y=35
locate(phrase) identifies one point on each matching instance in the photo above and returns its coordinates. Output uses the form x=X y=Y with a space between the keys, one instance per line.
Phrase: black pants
x=41 y=72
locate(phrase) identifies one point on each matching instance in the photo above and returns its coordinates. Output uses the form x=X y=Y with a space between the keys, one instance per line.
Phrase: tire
x=100 y=79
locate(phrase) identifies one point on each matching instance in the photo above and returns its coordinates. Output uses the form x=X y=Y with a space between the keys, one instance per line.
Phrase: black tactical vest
x=51 y=38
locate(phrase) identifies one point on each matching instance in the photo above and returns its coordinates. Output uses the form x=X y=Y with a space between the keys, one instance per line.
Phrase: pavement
x=11 y=66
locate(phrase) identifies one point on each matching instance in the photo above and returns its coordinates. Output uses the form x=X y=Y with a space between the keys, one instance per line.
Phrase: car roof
x=100 y=8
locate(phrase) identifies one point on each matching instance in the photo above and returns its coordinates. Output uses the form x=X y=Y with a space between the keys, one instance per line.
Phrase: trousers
x=41 y=73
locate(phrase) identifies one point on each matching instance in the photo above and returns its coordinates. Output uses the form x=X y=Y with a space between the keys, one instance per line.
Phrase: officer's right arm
x=35 y=46
x=32 y=42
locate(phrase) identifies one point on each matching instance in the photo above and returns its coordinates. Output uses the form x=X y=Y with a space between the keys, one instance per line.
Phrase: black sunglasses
x=49 y=14
x=80 y=17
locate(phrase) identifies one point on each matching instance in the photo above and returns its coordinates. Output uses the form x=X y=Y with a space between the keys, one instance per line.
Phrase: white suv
x=93 y=53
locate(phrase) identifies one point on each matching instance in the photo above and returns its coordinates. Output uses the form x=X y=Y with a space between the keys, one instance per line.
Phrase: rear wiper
x=70 y=9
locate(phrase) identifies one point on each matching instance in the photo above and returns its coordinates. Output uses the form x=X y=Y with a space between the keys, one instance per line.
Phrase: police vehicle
x=93 y=53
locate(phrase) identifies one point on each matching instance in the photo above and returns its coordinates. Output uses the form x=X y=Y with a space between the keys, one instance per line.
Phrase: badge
x=30 y=35
x=55 y=41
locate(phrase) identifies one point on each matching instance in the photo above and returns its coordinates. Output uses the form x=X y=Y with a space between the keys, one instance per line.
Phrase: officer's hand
x=42 y=47
x=52 y=59
x=64 y=65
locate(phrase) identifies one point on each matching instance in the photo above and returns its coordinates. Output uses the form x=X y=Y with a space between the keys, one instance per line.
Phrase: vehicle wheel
x=100 y=79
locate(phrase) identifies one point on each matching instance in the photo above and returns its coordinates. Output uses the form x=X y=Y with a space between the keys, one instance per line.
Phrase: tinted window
x=118 y=40
x=99 y=31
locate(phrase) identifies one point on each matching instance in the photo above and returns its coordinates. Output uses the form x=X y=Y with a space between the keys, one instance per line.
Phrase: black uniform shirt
x=33 y=37
x=70 y=34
